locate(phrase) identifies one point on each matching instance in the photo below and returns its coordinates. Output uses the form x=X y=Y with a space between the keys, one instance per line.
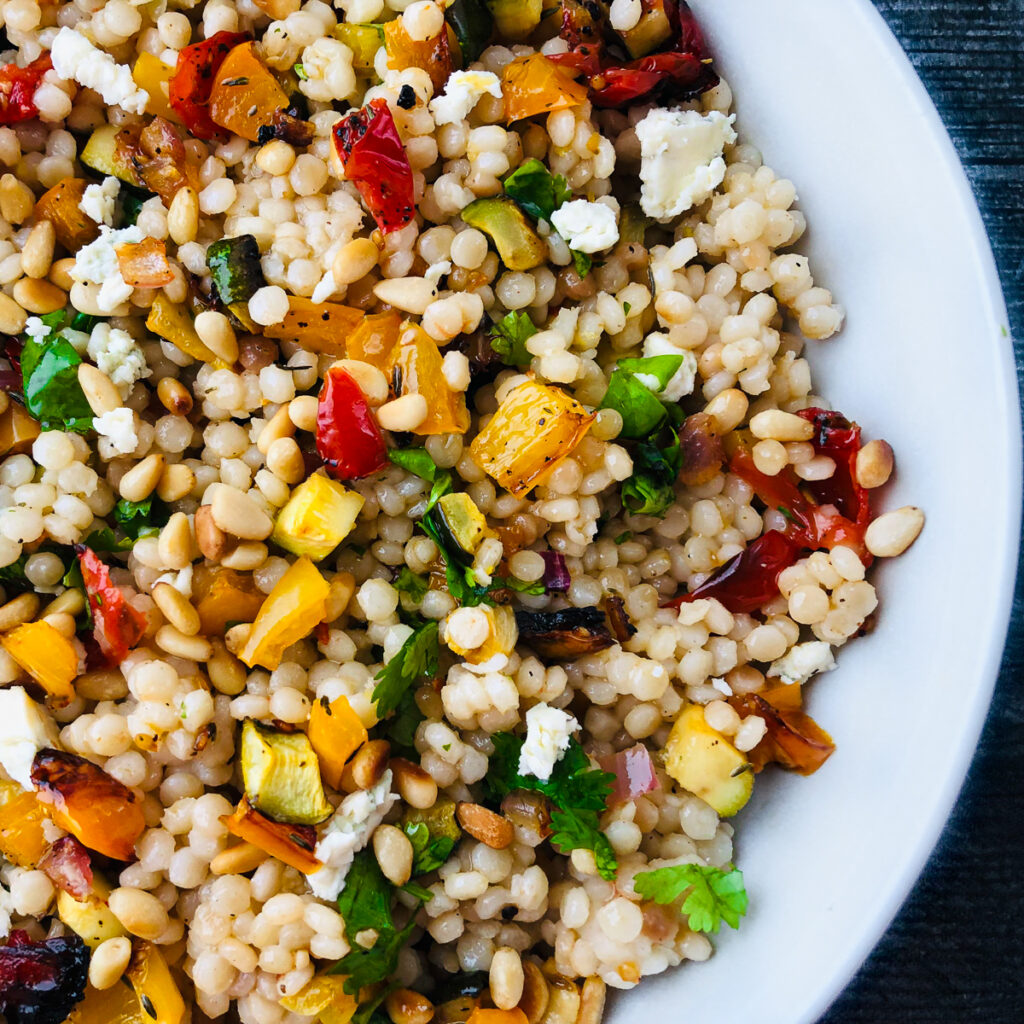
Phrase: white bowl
x=924 y=361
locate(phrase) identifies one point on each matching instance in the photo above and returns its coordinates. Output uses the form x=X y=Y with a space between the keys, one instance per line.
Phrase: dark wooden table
x=955 y=954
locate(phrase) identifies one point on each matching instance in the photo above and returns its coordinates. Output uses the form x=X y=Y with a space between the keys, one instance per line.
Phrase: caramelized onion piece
x=565 y=635
x=701 y=449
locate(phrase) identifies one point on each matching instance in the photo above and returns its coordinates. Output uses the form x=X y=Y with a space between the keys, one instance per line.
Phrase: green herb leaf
x=624 y=536
x=582 y=261
x=429 y=851
x=370 y=966
x=105 y=539
x=537 y=191
x=411 y=583
x=650 y=491
x=49 y=368
x=141 y=518
x=365 y=902
x=422 y=894
x=662 y=368
x=301 y=72
x=509 y=336
x=416 y=660
x=400 y=729
x=581 y=830
x=714 y=895
x=418 y=462
x=642 y=412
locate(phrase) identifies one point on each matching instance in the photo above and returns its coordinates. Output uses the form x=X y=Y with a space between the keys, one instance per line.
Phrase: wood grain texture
x=955 y=954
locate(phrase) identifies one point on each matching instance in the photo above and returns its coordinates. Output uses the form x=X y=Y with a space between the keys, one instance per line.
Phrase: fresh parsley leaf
x=624 y=536
x=370 y=966
x=400 y=729
x=650 y=491
x=429 y=851
x=626 y=307
x=416 y=660
x=536 y=190
x=411 y=583
x=535 y=587
x=369 y=1012
x=300 y=71
x=105 y=539
x=714 y=895
x=641 y=411
x=662 y=368
x=582 y=261
x=416 y=461
x=141 y=518
x=365 y=902
x=509 y=336
x=580 y=830
x=421 y=893
x=49 y=368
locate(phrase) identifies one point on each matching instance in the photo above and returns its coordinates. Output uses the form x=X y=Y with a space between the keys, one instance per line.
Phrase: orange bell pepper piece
x=292 y=844
x=375 y=339
x=316 y=326
x=231 y=597
x=47 y=656
x=22 y=840
x=533 y=85
x=418 y=359
x=245 y=94
x=336 y=733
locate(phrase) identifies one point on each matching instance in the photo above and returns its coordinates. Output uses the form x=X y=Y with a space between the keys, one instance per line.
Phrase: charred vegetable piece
x=416 y=365
x=290 y=612
x=336 y=733
x=102 y=813
x=375 y=339
x=40 y=982
x=153 y=76
x=235 y=271
x=473 y=25
x=117 y=626
x=47 y=656
x=432 y=55
x=461 y=524
x=347 y=436
x=535 y=427
x=316 y=326
x=839 y=439
x=60 y=205
x=374 y=158
x=364 y=42
x=171 y=321
x=700 y=450
x=793 y=738
x=22 y=839
x=17 y=430
x=534 y=85
x=704 y=762
x=90 y=916
x=323 y=998
x=288 y=128
x=618 y=619
x=501 y=219
x=144 y=264
x=68 y=866
x=515 y=19
x=102 y=155
x=18 y=88
x=652 y=30
x=156 y=989
x=567 y=634
x=244 y=93
x=191 y=84
x=440 y=819
x=281 y=775
x=230 y=597
x=319 y=515
x=292 y=844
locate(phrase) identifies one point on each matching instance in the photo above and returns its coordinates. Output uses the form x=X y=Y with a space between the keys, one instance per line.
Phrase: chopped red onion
x=634 y=773
x=556 y=575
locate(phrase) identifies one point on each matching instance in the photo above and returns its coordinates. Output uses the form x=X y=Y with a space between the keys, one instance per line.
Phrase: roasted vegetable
x=61 y=206
x=22 y=839
x=416 y=365
x=40 y=982
x=704 y=762
x=156 y=989
x=364 y=41
x=319 y=515
x=245 y=94
x=292 y=844
x=281 y=775
x=535 y=427
x=144 y=264
x=793 y=739
x=348 y=438
x=518 y=245
x=487 y=1015
x=236 y=274
x=473 y=25
x=323 y=998
x=158 y=157
x=68 y=865
x=290 y=612
x=533 y=85
x=102 y=155
x=316 y=326
x=441 y=819
x=17 y=430
x=461 y=524
x=229 y=597
x=652 y=30
x=190 y=86
x=18 y=88
x=375 y=339
x=336 y=733
x=115 y=1005
x=432 y=55
x=515 y=19
x=171 y=321
x=102 y=813
x=153 y=76
x=90 y=917
x=117 y=626
x=47 y=656
x=565 y=635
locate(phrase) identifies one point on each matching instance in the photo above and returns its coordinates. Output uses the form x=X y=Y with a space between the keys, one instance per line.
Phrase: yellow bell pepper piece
x=151 y=74
x=325 y=998
x=336 y=732
x=319 y=515
x=156 y=989
x=22 y=840
x=419 y=360
x=290 y=612
x=116 y=1005
x=533 y=430
x=171 y=321
x=364 y=41
x=47 y=656
x=316 y=326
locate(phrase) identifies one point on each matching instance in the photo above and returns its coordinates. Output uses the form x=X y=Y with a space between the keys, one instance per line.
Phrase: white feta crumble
x=681 y=158
x=99 y=200
x=548 y=731
x=801 y=662
x=461 y=94
x=436 y=271
x=180 y=580
x=586 y=226
x=682 y=381
x=96 y=263
x=25 y=729
x=35 y=328
x=721 y=685
x=6 y=910
x=347 y=833
x=118 y=427
x=118 y=355
x=75 y=59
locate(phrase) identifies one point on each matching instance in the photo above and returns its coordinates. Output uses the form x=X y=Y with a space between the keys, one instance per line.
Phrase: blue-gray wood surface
x=955 y=954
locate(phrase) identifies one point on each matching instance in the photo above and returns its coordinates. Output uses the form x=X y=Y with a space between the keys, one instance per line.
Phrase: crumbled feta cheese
x=116 y=353
x=436 y=271
x=347 y=833
x=6 y=910
x=35 y=328
x=461 y=94
x=682 y=381
x=25 y=729
x=180 y=580
x=721 y=685
x=99 y=200
x=76 y=59
x=548 y=732
x=586 y=226
x=96 y=263
x=118 y=427
x=801 y=662
x=681 y=158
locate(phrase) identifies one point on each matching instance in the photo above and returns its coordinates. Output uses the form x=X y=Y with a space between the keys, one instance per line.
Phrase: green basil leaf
x=509 y=336
x=662 y=368
x=641 y=411
x=537 y=191
x=49 y=368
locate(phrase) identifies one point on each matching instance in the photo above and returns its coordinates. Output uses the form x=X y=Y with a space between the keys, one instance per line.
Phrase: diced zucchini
x=704 y=762
x=364 y=41
x=650 y=31
x=461 y=525
x=319 y=515
x=90 y=918
x=439 y=819
x=171 y=321
x=235 y=268
x=473 y=24
x=101 y=155
x=518 y=245
x=633 y=224
x=281 y=775
x=516 y=19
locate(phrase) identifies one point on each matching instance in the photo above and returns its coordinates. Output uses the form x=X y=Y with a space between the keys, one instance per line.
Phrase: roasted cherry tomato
x=368 y=144
x=18 y=88
x=839 y=439
x=347 y=436
x=190 y=85
x=118 y=626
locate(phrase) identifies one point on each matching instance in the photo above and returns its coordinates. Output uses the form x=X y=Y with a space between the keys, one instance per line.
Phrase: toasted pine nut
x=239 y=515
x=18 y=611
x=404 y=1006
x=406 y=412
x=12 y=316
x=354 y=260
x=534 y=1001
x=109 y=961
x=60 y=273
x=176 y=481
x=409 y=294
x=506 y=978
x=37 y=254
x=175 y=542
x=16 y=199
x=227 y=673
x=776 y=425
x=303 y=412
x=874 y=464
x=212 y=540
x=62 y=622
x=174 y=396
x=246 y=556
x=192 y=648
x=183 y=216
x=371 y=381
x=415 y=785
x=235 y=638
x=217 y=334
x=177 y=609
x=139 y=482
x=284 y=460
x=140 y=912
x=100 y=392
x=38 y=296
x=592 y=999
x=366 y=766
x=280 y=425
x=892 y=533
x=489 y=828
x=394 y=853
x=238 y=860
x=71 y=602
x=101 y=684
